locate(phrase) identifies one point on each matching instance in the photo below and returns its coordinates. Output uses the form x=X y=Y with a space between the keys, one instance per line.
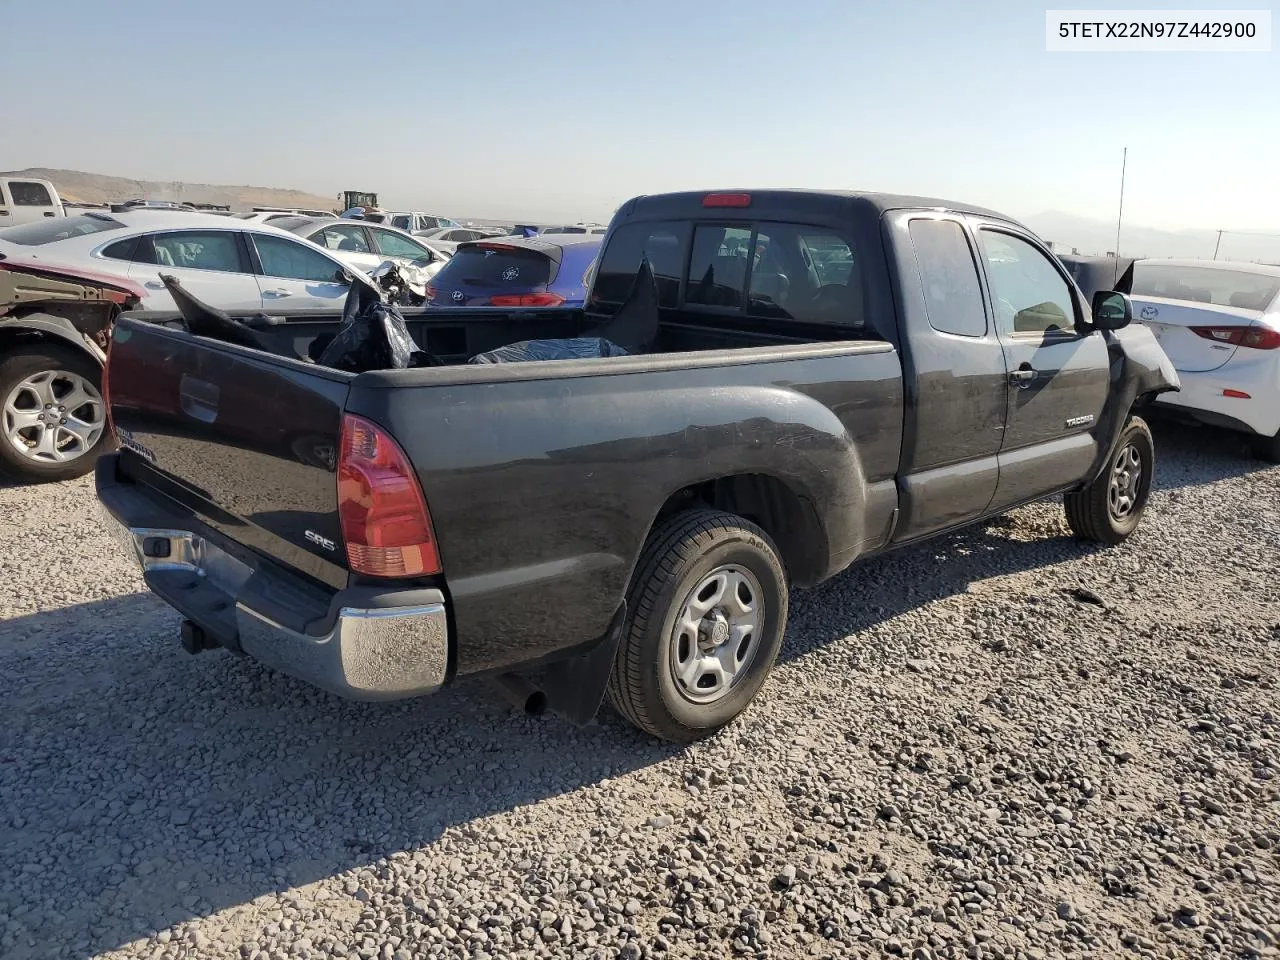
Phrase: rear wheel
x=706 y=613
x=1110 y=508
x=52 y=418
x=1267 y=448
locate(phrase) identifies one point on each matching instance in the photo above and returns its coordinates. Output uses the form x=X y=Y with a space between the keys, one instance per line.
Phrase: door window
x=193 y=250
x=401 y=222
x=1030 y=295
x=342 y=238
x=291 y=260
x=393 y=245
x=27 y=194
x=952 y=295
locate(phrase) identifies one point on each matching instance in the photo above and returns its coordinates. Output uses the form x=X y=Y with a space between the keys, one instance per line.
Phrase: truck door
x=31 y=201
x=954 y=376
x=1058 y=377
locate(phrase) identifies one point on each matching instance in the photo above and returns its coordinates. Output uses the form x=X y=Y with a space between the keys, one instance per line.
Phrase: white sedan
x=227 y=263
x=1219 y=323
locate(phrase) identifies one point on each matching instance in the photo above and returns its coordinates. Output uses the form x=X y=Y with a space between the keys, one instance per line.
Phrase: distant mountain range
x=1067 y=230
x=79 y=187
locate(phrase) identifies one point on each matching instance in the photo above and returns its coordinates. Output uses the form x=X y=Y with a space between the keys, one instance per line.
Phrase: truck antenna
x=1124 y=159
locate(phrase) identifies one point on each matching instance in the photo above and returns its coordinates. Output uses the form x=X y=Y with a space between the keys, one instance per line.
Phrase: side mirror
x=1111 y=310
x=341 y=276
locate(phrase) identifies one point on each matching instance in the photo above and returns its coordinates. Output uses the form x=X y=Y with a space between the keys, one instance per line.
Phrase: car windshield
x=60 y=228
x=1226 y=288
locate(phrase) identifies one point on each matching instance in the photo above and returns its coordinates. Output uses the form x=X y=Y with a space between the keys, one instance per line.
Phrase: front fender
x=1140 y=369
x=45 y=325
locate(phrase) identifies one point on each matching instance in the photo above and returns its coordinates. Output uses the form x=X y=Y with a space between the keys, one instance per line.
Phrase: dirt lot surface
x=1003 y=743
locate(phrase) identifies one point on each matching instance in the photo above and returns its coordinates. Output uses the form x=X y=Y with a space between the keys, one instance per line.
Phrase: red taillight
x=1236 y=394
x=1259 y=338
x=430 y=291
x=384 y=517
x=727 y=200
x=508 y=247
x=526 y=300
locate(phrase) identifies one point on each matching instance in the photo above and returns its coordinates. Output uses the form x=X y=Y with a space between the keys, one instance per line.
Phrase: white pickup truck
x=23 y=200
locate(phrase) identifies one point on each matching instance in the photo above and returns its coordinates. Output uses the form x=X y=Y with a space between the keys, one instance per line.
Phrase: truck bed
x=541 y=478
x=453 y=335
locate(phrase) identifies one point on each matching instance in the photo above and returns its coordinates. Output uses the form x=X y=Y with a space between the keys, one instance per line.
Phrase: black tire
x=1092 y=513
x=15 y=367
x=678 y=555
x=1267 y=448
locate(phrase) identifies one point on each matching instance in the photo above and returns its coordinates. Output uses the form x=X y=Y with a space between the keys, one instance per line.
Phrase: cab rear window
x=664 y=243
x=53 y=229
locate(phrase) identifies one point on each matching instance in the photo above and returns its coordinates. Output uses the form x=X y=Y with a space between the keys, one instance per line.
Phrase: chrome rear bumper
x=380 y=652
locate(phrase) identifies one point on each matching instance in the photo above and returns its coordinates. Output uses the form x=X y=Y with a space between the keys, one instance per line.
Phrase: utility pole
x=1217 y=245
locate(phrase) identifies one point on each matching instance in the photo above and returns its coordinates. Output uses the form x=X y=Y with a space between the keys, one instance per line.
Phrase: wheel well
x=14 y=335
x=790 y=520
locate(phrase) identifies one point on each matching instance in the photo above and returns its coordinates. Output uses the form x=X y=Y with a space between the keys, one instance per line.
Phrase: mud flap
x=575 y=686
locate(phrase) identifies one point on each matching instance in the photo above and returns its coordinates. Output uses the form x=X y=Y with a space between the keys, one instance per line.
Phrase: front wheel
x=706 y=612
x=1109 y=509
x=53 y=423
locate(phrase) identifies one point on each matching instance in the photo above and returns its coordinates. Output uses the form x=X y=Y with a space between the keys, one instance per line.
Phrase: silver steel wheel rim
x=1126 y=479
x=53 y=416
x=716 y=634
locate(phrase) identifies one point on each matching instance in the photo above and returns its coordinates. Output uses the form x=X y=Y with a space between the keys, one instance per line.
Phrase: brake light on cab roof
x=727 y=200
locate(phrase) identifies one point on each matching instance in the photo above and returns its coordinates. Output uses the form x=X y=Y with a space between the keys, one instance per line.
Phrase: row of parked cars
x=1216 y=320
x=64 y=278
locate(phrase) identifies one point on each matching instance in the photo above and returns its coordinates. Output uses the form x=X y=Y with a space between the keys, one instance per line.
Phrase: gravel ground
x=1003 y=743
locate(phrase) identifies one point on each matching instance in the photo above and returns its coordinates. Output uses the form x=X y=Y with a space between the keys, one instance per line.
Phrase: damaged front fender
x=1140 y=370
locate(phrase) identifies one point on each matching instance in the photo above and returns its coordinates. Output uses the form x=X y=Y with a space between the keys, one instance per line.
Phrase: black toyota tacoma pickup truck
x=825 y=376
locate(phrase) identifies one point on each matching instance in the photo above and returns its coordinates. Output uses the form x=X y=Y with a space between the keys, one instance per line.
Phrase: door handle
x=154 y=285
x=1023 y=376
x=278 y=293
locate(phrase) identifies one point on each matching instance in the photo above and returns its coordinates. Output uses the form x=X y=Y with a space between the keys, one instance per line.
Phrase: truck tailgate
x=245 y=440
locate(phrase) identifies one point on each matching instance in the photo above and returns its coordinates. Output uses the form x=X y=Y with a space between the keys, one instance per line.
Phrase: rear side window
x=401 y=222
x=291 y=260
x=60 y=228
x=949 y=276
x=26 y=194
x=512 y=267
x=1227 y=288
x=665 y=245
x=121 y=249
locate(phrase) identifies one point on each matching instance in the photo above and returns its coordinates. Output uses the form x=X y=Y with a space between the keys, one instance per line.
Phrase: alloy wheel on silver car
x=53 y=416
x=716 y=633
